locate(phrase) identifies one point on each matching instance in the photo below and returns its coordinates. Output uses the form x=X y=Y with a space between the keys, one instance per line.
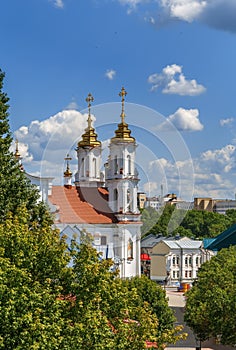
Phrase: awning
x=145 y=256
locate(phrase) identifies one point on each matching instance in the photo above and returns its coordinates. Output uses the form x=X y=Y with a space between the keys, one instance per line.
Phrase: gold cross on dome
x=122 y=94
x=68 y=158
x=89 y=99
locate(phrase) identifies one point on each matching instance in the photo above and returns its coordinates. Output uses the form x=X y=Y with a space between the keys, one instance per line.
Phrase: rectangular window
x=103 y=240
x=186 y=274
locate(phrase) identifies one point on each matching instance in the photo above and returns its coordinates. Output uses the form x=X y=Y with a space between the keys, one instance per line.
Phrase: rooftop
x=82 y=205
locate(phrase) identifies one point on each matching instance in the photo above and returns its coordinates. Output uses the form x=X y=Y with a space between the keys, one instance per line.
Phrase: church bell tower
x=89 y=155
x=120 y=172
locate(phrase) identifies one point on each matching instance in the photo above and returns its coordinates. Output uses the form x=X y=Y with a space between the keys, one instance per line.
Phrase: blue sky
x=176 y=59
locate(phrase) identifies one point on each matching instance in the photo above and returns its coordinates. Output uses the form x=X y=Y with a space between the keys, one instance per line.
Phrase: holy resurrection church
x=102 y=204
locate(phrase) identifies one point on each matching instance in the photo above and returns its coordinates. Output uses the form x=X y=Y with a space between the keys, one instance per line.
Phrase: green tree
x=16 y=189
x=33 y=263
x=150 y=217
x=211 y=308
x=115 y=317
x=231 y=214
x=205 y=224
x=38 y=249
x=31 y=317
x=161 y=227
x=153 y=294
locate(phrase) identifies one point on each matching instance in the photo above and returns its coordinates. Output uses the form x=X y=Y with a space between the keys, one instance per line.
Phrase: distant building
x=141 y=199
x=153 y=202
x=214 y=205
x=170 y=199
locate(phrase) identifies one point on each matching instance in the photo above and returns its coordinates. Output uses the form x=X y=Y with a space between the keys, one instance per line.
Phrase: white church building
x=104 y=205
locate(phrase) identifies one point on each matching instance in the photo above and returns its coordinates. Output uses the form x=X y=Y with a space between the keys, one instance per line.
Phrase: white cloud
x=182 y=120
x=72 y=105
x=173 y=81
x=219 y=14
x=212 y=172
x=110 y=74
x=150 y=188
x=187 y=10
x=58 y=3
x=132 y=4
x=44 y=144
x=227 y=121
x=219 y=160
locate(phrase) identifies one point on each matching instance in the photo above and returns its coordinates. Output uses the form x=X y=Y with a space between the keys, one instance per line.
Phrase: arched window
x=94 y=171
x=115 y=165
x=130 y=250
x=115 y=198
x=129 y=164
x=82 y=167
x=128 y=200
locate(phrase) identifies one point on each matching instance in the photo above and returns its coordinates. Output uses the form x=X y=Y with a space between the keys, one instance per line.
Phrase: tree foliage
x=195 y=224
x=47 y=304
x=153 y=294
x=16 y=189
x=211 y=308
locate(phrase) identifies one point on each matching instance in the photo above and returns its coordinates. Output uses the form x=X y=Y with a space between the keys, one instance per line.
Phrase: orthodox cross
x=89 y=99
x=122 y=94
x=67 y=158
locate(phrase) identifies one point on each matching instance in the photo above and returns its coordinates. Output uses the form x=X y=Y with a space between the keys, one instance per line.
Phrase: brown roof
x=82 y=205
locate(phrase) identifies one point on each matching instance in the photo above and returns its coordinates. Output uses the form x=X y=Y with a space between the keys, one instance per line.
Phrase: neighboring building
x=147 y=244
x=203 y=204
x=170 y=199
x=106 y=207
x=214 y=205
x=153 y=202
x=177 y=260
x=221 y=206
x=141 y=199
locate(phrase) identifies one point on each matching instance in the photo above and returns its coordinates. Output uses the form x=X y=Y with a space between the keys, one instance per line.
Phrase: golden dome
x=89 y=138
x=17 y=153
x=68 y=172
x=123 y=132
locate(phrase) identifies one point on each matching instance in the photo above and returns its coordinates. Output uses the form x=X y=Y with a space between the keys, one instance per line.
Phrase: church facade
x=103 y=204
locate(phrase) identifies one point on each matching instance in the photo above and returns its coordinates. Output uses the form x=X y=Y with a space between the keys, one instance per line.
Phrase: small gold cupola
x=17 y=156
x=17 y=153
x=89 y=138
x=68 y=172
x=123 y=132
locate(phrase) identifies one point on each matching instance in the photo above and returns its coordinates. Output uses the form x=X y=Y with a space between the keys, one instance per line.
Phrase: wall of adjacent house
x=158 y=269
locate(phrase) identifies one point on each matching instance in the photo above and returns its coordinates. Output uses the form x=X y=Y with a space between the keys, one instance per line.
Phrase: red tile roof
x=82 y=205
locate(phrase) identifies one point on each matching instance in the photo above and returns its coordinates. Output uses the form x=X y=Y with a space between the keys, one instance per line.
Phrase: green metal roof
x=224 y=239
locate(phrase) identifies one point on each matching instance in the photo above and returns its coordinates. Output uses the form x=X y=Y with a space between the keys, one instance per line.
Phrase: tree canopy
x=193 y=223
x=16 y=189
x=211 y=308
x=47 y=304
